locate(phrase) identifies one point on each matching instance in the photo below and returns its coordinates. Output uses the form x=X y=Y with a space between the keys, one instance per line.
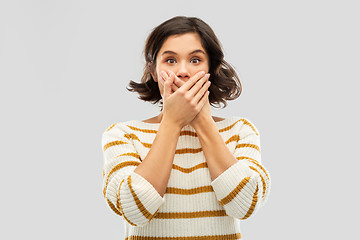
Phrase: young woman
x=184 y=173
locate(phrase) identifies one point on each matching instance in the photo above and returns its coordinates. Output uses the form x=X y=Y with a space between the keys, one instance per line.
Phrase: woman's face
x=183 y=55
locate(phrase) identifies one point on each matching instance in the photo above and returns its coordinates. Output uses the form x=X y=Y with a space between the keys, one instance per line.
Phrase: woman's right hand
x=182 y=106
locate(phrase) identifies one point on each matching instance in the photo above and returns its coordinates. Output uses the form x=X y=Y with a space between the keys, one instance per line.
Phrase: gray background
x=64 y=66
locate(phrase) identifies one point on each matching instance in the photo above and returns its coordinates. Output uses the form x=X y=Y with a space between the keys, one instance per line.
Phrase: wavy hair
x=225 y=83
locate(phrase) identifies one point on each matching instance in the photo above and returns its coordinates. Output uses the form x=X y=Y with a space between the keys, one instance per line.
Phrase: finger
x=163 y=77
x=173 y=78
x=192 y=81
x=202 y=91
x=198 y=85
x=161 y=80
x=203 y=100
x=167 y=84
x=177 y=83
x=189 y=84
x=174 y=88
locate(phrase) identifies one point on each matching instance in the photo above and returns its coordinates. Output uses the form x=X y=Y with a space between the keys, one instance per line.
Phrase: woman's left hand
x=205 y=112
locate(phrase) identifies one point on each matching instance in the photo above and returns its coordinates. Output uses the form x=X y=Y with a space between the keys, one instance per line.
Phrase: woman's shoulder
x=238 y=124
x=246 y=124
x=119 y=126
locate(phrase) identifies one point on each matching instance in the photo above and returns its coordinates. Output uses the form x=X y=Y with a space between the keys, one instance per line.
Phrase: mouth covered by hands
x=205 y=112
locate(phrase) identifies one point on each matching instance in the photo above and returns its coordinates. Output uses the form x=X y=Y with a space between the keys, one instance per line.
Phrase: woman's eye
x=170 y=59
x=198 y=60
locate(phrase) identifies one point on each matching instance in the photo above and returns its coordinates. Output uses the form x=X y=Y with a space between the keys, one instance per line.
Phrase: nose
x=182 y=71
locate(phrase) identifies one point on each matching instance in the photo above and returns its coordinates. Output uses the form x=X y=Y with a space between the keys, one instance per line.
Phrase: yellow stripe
x=113 y=143
x=134 y=137
x=243 y=157
x=250 y=125
x=229 y=127
x=132 y=154
x=112 y=206
x=142 y=130
x=192 y=191
x=253 y=204
x=154 y=214
x=256 y=163
x=233 y=138
x=244 y=145
x=187 y=132
x=261 y=167
x=234 y=192
x=188 y=150
x=118 y=204
x=199 y=214
x=141 y=207
x=262 y=180
x=191 y=169
x=209 y=237
x=117 y=167
x=244 y=121
x=113 y=125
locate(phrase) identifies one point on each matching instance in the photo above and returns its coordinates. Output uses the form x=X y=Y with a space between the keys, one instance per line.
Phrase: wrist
x=170 y=124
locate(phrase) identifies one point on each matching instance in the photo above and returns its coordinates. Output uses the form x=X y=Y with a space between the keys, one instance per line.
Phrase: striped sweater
x=193 y=206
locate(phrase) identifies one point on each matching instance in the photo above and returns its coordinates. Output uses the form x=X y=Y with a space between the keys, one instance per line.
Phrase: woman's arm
x=157 y=165
x=240 y=182
x=132 y=187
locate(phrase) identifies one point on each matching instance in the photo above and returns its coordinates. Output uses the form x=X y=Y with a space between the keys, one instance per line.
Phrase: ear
x=152 y=74
x=155 y=80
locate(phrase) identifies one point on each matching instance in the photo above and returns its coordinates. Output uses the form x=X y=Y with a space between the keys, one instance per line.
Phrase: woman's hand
x=205 y=111
x=181 y=106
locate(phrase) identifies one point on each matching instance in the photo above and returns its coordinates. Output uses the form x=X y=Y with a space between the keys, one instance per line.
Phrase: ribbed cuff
x=230 y=178
x=146 y=192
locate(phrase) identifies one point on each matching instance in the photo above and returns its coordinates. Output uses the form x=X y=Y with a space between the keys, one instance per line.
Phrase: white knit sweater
x=193 y=206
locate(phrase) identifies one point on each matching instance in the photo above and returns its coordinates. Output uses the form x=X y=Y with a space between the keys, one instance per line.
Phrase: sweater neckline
x=157 y=125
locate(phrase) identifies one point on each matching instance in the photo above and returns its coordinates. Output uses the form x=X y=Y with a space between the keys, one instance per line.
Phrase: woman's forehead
x=189 y=43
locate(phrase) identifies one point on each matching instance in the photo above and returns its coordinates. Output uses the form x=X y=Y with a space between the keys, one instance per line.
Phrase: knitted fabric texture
x=193 y=206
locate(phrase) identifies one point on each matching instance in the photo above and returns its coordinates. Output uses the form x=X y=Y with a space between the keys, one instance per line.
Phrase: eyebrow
x=195 y=51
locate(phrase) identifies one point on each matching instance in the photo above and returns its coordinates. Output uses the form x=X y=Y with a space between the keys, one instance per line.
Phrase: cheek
x=205 y=67
x=162 y=69
x=195 y=71
x=202 y=67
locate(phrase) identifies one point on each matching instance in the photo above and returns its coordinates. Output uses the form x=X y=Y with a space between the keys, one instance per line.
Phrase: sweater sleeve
x=244 y=187
x=127 y=193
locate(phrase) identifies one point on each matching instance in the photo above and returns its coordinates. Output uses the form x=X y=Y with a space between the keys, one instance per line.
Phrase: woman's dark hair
x=225 y=83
